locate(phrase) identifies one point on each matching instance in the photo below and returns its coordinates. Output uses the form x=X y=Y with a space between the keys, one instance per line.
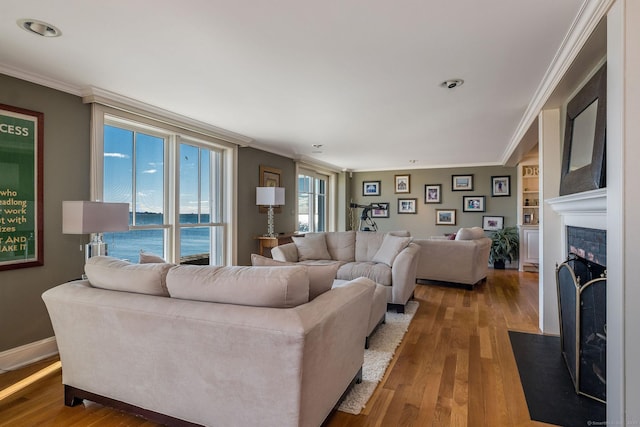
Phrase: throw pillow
x=464 y=234
x=117 y=275
x=311 y=247
x=452 y=236
x=320 y=276
x=470 y=233
x=390 y=248
x=277 y=287
x=149 y=258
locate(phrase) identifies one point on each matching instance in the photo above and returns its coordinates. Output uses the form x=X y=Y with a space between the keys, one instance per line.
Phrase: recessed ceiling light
x=452 y=83
x=38 y=27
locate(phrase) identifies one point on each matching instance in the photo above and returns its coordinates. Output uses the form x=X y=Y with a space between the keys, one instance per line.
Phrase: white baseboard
x=18 y=357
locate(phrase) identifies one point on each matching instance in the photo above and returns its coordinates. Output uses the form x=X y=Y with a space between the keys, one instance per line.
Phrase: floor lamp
x=270 y=196
x=83 y=217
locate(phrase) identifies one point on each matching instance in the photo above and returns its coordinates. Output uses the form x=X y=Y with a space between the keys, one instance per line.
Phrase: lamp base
x=270 y=232
x=95 y=247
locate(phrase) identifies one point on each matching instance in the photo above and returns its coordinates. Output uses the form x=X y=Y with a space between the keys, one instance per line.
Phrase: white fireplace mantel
x=587 y=209
x=592 y=202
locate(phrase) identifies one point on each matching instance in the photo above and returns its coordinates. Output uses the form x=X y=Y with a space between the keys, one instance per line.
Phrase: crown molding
x=40 y=80
x=124 y=103
x=586 y=21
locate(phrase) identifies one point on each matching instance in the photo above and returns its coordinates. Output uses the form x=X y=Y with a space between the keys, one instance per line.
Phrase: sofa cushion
x=341 y=245
x=312 y=246
x=368 y=243
x=149 y=258
x=390 y=248
x=470 y=233
x=378 y=272
x=115 y=274
x=277 y=287
x=321 y=276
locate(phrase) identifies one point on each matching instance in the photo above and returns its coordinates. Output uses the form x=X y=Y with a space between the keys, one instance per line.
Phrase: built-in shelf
x=529 y=214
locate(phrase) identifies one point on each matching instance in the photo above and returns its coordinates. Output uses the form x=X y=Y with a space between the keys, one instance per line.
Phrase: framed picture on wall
x=21 y=188
x=380 y=210
x=473 y=204
x=461 y=182
x=445 y=217
x=270 y=177
x=407 y=206
x=402 y=184
x=492 y=223
x=500 y=186
x=433 y=193
x=371 y=188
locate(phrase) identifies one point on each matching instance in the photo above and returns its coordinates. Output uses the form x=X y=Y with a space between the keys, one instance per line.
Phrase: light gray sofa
x=389 y=259
x=211 y=346
x=464 y=260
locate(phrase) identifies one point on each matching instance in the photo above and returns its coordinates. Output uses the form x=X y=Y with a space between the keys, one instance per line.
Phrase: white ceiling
x=362 y=78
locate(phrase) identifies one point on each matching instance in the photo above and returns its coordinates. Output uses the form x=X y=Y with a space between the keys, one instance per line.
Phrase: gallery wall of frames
x=436 y=202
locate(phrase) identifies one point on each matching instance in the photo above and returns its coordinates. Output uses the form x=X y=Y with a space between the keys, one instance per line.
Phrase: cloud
x=150 y=171
x=116 y=155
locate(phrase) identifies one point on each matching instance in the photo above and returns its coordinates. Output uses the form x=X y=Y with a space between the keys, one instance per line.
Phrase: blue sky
x=149 y=158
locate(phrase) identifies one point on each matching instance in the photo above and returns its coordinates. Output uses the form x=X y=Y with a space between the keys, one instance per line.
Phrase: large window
x=174 y=185
x=312 y=201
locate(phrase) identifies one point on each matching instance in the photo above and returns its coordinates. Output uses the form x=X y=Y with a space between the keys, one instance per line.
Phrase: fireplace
x=582 y=304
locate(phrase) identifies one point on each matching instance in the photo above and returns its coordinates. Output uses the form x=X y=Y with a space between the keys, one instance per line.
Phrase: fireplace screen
x=583 y=324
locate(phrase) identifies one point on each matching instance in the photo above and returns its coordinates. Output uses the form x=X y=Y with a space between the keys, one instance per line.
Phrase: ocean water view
x=127 y=245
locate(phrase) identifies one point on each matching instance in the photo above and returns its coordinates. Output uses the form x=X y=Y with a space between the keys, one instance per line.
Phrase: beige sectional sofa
x=464 y=260
x=211 y=346
x=389 y=259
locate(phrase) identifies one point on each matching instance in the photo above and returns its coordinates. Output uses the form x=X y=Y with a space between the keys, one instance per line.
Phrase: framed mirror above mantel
x=583 y=159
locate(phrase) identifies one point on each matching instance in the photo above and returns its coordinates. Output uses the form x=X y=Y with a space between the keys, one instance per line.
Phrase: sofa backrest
x=277 y=287
x=341 y=245
x=118 y=275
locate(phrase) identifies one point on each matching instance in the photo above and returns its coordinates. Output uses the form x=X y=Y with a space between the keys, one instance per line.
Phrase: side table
x=266 y=243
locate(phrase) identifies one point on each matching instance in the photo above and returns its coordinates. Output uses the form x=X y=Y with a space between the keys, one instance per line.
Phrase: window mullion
x=174 y=201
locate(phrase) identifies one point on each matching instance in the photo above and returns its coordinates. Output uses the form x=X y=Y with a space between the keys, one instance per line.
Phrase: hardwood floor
x=454 y=367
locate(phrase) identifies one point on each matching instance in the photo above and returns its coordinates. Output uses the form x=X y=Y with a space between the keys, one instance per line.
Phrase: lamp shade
x=272 y=196
x=83 y=217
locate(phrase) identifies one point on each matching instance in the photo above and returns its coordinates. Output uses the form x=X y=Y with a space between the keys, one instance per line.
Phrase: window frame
x=329 y=194
x=175 y=134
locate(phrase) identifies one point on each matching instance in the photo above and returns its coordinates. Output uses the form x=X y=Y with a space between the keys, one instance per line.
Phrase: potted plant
x=504 y=247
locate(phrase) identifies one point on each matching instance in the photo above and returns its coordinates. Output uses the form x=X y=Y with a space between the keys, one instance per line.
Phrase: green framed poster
x=21 y=208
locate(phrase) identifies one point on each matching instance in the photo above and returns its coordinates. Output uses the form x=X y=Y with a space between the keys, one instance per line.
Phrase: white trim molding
x=27 y=354
x=585 y=203
x=120 y=102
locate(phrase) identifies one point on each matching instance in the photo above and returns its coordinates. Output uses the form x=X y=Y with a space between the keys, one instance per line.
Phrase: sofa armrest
x=286 y=253
x=403 y=274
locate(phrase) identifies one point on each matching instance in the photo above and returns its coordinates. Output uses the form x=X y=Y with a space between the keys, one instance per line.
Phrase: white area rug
x=382 y=346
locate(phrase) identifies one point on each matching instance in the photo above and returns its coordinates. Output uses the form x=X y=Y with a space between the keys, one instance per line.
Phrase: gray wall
x=23 y=316
x=422 y=224
x=250 y=222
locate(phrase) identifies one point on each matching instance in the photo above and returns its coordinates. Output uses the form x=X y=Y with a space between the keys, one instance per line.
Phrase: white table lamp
x=270 y=196
x=83 y=217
